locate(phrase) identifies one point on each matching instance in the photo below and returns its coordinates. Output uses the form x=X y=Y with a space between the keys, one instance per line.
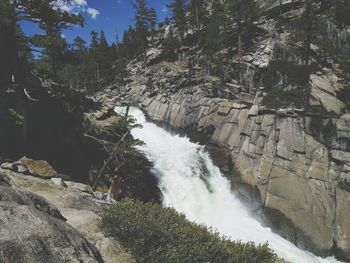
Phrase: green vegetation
x=17 y=117
x=279 y=98
x=179 y=9
x=293 y=73
x=342 y=10
x=157 y=234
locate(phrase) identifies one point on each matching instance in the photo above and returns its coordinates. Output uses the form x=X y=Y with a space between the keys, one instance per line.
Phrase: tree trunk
x=197 y=18
x=308 y=31
x=114 y=190
x=239 y=45
x=280 y=7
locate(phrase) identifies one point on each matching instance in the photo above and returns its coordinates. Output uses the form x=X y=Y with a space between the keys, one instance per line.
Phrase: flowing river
x=194 y=186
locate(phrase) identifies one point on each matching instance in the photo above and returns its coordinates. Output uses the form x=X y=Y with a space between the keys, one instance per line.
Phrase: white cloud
x=164 y=9
x=93 y=12
x=81 y=2
x=76 y=7
x=71 y=7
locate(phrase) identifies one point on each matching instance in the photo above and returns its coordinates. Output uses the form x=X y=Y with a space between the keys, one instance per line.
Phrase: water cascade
x=194 y=186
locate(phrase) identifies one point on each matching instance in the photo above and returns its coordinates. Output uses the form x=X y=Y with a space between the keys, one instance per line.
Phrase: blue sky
x=110 y=15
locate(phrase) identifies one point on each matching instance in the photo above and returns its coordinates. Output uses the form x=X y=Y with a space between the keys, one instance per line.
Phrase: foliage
x=278 y=98
x=296 y=74
x=212 y=39
x=170 y=46
x=179 y=9
x=17 y=117
x=244 y=13
x=157 y=234
x=198 y=14
x=342 y=11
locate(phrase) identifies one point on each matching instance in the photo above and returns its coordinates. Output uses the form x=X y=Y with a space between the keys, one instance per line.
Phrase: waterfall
x=194 y=186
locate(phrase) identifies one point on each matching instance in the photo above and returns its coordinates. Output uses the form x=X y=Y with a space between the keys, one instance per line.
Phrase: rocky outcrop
x=53 y=221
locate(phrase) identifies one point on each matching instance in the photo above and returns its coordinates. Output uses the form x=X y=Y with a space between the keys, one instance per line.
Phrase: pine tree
x=105 y=59
x=152 y=18
x=213 y=37
x=179 y=9
x=94 y=40
x=243 y=13
x=142 y=24
x=342 y=11
x=170 y=46
x=198 y=13
x=79 y=45
x=48 y=15
x=307 y=28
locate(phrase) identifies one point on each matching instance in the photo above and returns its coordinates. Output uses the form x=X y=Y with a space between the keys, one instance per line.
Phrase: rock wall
x=297 y=176
x=296 y=160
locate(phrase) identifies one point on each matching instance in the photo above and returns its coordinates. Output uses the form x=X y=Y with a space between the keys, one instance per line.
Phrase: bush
x=297 y=74
x=279 y=98
x=156 y=234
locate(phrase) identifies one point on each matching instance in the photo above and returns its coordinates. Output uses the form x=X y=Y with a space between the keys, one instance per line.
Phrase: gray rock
x=30 y=235
x=32 y=223
x=330 y=103
x=79 y=187
x=38 y=168
x=7 y=166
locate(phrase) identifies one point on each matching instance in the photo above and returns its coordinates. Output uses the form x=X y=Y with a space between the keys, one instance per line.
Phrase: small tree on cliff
x=342 y=11
x=198 y=13
x=244 y=13
x=145 y=21
x=179 y=9
x=307 y=27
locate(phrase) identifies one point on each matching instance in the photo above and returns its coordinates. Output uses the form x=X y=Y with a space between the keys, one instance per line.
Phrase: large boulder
x=42 y=221
x=33 y=230
x=38 y=168
x=30 y=235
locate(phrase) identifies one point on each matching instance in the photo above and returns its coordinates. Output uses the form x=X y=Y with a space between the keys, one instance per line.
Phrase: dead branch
x=107 y=162
x=28 y=95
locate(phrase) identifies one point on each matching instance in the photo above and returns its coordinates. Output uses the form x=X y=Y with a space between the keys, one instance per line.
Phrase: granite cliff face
x=292 y=164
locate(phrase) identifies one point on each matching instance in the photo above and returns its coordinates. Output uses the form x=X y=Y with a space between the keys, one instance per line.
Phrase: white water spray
x=194 y=186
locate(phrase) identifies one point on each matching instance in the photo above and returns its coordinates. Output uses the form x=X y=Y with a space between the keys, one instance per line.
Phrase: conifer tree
x=342 y=11
x=213 y=37
x=142 y=24
x=152 y=18
x=198 y=13
x=179 y=9
x=170 y=46
x=52 y=19
x=79 y=45
x=307 y=27
x=243 y=13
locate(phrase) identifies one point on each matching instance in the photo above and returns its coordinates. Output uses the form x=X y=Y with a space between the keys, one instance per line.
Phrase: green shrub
x=297 y=74
x=156 y=234
x=279 y=98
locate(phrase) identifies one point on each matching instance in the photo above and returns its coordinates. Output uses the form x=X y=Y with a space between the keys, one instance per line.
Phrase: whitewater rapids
x=194 y=186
